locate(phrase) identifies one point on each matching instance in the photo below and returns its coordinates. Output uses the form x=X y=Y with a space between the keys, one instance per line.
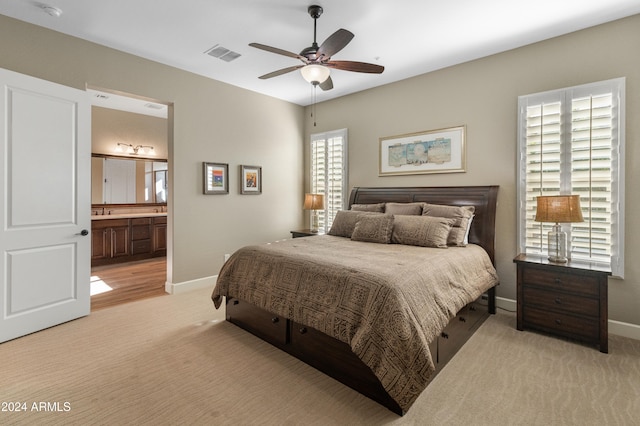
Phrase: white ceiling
x=408 y=37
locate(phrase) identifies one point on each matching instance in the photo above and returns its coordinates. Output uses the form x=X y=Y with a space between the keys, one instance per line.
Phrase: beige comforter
x=387 y=301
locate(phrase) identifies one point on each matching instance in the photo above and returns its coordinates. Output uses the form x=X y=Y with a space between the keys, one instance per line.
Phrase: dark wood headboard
x=483 y=198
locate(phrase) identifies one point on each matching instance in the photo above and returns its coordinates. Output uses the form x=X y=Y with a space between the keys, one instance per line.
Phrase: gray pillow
x=374 y=229
x=379 y=207
x=424 y=231
x=403 y=208
x=345 y=222
x=462 y=216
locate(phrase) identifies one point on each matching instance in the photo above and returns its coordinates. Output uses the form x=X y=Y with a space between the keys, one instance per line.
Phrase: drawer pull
x=558 y=300
x=558 y=322
x=235 y=302
x=275 y=320
x=463 y=319
x=303 y=330
x=444 y=335
x=558 y=281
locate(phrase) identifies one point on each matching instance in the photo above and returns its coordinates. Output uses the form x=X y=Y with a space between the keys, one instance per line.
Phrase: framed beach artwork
x=250 y=179
x=433 y=151
x=216 y=178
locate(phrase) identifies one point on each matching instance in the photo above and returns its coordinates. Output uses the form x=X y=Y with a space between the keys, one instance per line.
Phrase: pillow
x=368 y=207
x=374 y=229
x=461 y=216
x=424 y=231
x=466 y=234
x=345 y=222
x=403 y=208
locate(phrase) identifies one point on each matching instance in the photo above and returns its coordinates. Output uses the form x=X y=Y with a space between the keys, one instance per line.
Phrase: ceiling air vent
x=223 y=53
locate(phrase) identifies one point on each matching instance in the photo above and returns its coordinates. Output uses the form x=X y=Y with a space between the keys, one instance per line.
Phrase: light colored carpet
x=173 y=360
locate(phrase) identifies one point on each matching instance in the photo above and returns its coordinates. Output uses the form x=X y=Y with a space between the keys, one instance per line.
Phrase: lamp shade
x=314 y=73
x=558 y=209
x=313 y=201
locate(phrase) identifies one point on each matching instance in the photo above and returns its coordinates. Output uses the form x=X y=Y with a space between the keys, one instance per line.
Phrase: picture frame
x=250 y=179
x=215 y=178
x=432 y=151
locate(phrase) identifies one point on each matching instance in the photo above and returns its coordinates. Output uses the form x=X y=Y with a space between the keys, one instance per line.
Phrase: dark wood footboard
x=335 y=358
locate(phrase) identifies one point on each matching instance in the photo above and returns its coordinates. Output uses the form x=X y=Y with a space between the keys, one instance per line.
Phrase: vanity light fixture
x=134 y=150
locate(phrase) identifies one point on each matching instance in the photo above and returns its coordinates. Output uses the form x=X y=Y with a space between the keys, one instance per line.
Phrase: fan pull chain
x=314 y=88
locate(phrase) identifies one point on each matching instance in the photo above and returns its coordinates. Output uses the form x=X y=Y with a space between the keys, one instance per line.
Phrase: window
x=329 y=173
x=571 y=141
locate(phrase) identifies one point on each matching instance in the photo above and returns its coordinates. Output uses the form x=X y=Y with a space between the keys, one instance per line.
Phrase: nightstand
x=563 y=299
x=305 y=233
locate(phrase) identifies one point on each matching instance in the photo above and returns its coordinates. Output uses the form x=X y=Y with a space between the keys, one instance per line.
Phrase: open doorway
x=130 y=187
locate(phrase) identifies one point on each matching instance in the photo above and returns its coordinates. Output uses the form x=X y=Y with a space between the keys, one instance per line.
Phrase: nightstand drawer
x=566 y=325
x=558 y=281
x=568 y=303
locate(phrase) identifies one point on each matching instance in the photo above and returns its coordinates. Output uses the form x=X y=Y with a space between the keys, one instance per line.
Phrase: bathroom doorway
x=129 y=259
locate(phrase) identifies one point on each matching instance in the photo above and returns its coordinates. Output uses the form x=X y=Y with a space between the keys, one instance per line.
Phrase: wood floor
x=128 y=282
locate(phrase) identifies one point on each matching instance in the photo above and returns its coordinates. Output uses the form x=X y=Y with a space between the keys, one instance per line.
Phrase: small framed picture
x=250 y=179
x=216 y=178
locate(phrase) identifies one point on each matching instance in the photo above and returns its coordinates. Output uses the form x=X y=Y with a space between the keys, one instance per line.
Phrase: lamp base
x=557 y=244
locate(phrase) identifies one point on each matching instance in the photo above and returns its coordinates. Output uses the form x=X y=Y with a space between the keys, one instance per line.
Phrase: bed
x=381 y=318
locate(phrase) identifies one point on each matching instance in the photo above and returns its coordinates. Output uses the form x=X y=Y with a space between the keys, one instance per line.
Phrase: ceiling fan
x=317 y=59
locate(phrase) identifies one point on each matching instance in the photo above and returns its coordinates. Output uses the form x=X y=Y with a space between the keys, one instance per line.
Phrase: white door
x=45 y=172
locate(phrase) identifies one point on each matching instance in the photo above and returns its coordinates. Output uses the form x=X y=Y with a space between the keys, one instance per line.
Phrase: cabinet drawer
x=562 y=324
x=109 y=223
x=140 y=246
x=159 y=220
x=141 y=221
x=568 y=303
x=140 y=232
x=560 y=281
x=264 y=324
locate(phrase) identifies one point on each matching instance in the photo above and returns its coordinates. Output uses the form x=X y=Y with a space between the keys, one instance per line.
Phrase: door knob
x=84 y=233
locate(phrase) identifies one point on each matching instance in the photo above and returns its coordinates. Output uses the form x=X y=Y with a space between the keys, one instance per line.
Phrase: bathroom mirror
x=123 y=180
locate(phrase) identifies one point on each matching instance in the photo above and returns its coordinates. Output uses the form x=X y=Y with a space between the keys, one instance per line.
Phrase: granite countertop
x=125 y=215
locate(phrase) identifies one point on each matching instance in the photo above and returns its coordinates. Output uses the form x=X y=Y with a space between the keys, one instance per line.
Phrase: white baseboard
x=618 y=328
x=177 y=288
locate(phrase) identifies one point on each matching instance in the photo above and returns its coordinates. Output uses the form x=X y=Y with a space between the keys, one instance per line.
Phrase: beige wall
x=483 y=96
x=110 y=126
x=212 y=121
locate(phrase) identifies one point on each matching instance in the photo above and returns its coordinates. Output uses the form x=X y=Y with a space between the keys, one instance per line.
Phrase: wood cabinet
x=127 y=239
x=159 y=239
x=568 y=300
x=109 y=240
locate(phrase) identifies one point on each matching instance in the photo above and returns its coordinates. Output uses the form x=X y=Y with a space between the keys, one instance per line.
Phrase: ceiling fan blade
x=335 y=43
x=327 y=84
x=278 y=51
x=355 y=66
x=280 y=72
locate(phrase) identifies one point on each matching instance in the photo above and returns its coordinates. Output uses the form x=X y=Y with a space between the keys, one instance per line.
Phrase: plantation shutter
x=571 y=142
x=329 y=173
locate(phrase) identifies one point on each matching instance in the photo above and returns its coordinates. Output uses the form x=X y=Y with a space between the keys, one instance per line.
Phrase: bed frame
x=334 y=357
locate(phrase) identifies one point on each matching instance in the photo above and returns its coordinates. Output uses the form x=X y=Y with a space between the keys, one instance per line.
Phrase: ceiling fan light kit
x=315 y=74
x=317 y=59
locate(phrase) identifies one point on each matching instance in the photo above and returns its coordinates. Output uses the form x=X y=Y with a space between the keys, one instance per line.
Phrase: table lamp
x=314 y=202
x=558 y=209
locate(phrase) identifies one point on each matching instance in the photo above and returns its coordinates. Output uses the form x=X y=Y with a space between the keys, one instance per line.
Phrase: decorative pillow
x=345 y=222
x=403 y=208
x=374 y=229
x=368 y=207
x=461 y=215
x=425 y=231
